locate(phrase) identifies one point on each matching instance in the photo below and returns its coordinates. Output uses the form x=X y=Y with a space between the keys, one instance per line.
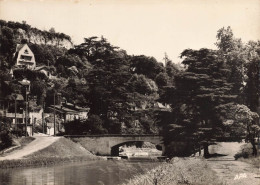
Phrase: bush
x=5 y=135
x=245 y=152
x=93 y=125
x=6 y=140
x=37 y=128
x=18 y=132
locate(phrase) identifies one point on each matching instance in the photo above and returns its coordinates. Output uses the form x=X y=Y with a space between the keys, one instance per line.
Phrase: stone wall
x=109 y=145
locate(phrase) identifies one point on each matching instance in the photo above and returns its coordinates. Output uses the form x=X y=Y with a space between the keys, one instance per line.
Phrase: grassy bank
x=18 y=143
x=63 y=150
x=245 y=155
x=179 y=171
x=41 y=161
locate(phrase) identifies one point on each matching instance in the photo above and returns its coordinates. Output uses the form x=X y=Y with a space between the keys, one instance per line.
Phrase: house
x=63 y=113
x=69 y=112
x=24 y=56
x=36 y=115
x=12 y=107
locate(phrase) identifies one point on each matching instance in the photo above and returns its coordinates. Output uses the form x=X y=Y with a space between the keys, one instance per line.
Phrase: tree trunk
x=254 y=147
x=206 y=150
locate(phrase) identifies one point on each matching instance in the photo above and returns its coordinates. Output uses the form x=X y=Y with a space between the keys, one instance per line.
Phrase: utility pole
x=26 y=111
x=43 y=129
x=166 y=59
x=54 y=116
x=33 y=124
x=15 y=110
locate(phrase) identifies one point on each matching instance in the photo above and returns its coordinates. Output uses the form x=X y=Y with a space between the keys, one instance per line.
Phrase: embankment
x=63 y=150
x=179 y=171
x=245 y=155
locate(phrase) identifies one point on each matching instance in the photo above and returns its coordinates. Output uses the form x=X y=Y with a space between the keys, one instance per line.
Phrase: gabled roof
x=19 y=47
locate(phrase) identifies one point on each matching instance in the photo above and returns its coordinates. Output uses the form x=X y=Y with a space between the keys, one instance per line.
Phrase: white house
x=24 y=56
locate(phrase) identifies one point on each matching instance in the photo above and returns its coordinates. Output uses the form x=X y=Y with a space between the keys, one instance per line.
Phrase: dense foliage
x=208 y=97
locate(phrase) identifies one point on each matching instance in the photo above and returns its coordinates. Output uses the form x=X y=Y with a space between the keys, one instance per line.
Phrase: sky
x=152 y=27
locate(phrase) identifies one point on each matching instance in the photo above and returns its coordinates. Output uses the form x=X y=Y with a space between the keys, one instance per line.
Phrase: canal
x=80 y=173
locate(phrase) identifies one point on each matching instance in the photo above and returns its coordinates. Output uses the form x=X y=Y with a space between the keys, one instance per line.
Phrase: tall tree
x=252 y=86
x=234 y=54
x=197 y=93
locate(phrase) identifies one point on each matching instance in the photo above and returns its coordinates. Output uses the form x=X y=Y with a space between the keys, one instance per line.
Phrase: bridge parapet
x=115 y=135
x=106 y=144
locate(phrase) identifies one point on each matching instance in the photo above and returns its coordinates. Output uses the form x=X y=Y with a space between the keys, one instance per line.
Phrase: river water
x=83 y=173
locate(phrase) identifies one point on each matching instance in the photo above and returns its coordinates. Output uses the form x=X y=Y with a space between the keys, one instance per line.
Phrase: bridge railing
x=115 y=135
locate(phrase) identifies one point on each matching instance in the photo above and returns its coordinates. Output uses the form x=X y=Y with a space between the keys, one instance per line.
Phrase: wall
x=103 y=145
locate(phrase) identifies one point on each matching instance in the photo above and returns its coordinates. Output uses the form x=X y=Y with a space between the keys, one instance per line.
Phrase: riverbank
x=18 y=143
x=225 y=166
x=245 y=155
x=179 y=171
x=61 y=151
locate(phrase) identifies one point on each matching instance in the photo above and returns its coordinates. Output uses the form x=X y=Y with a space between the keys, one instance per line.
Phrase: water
x=84 y=173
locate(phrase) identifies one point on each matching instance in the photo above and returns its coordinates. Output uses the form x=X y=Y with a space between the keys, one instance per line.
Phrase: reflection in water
x=84 y=173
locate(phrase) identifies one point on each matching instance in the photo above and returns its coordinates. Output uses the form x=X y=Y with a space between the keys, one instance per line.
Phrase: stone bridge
x=109 y=144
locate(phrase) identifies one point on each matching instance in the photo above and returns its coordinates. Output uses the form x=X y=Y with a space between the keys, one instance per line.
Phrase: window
x=26 y=57
x=26 y=52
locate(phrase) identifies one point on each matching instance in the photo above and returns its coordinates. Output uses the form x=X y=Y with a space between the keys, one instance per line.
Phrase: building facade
x=24 y=56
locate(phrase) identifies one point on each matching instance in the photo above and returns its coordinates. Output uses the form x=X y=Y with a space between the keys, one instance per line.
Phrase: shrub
x=5 y=135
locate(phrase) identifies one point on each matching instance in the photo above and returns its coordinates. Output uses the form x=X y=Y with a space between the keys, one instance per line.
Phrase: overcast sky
x=139 y=26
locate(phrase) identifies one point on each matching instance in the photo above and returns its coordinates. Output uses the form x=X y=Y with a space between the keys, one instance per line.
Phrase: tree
x=197 y=93
x=107 y=93
x=94 y=49
x=235 y=55
x=46 y=54
x=113 y=89
x=5 y=134
x=162 y=79
x=52 y=30
x=39 y=88
x=240 y=122
x=171 y=70
x=8 y=44
x=147 y=66
x=251 y=90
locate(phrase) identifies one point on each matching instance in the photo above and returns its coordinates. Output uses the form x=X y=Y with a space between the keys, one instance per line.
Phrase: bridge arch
x=107 y=144
x=115 y=149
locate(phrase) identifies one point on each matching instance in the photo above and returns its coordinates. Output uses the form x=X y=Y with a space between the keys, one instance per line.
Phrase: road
x=228 y=169
x=39 y=143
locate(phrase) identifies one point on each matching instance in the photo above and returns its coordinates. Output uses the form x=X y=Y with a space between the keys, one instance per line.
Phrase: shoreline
x=44 y=161
x=183 y=170
x=60 y=151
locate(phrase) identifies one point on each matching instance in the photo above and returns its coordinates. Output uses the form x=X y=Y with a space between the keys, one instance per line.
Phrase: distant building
x=69 y=112
x=24 y=56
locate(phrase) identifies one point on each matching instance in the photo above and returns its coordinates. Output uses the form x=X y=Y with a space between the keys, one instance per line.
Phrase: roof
x=19 y=47
x=74 y=107
x=19 y=97
x=63 y=109
x=24 y=82
x=40 y=68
